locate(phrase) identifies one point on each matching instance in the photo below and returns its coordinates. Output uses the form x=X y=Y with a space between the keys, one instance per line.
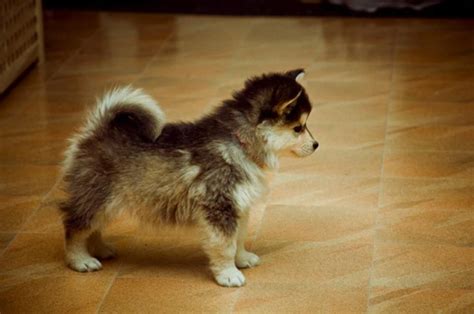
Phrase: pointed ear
x=286 y=106
x=296 y=74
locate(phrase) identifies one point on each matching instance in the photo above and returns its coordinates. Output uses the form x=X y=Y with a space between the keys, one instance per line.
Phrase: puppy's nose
x=315 y=145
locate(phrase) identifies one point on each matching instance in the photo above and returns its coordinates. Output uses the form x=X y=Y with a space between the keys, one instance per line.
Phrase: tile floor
x=384 y=223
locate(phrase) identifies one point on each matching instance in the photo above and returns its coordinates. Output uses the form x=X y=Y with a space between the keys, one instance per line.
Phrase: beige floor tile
x=335 y=91
x=65 y=294
x=87 y=85
x=351 y=136
x=160 y=87
x=15 y=210
x=338 y=260
x=35 y=255
x=5 y=239
x=459 y=91
x=365 y=111
x=155 y=294
x=448 y=55
x=429 y=113
x=436 y=165
x=48 y=148
x=428 y=226
x=412 y=300
x=172 y=255
x=343 y=296
x=185 y=68
x=340 y=72
x=399 y=266
x=426 y=194
x=426 y=211
x=353 y=52
x=447 y=73
x=445 y=138
x=315 y=223
x=27 y=179
x=82 y=64
x=336 y=162
x=314 y=190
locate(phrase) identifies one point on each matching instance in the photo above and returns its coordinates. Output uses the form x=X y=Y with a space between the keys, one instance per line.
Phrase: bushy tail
x=129 y=112
x=123 y=114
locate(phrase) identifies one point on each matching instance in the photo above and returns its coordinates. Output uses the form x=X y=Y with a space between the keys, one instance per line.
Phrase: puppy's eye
x=298 y=129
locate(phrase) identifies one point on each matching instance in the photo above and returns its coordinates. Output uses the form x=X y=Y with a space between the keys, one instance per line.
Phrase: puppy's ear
x=287 y=105
x=297 y=74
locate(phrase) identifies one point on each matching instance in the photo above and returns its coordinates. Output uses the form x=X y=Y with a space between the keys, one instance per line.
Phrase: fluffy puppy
x=208 y=173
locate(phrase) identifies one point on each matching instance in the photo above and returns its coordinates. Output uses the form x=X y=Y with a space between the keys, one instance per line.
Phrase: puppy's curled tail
x=126 y=112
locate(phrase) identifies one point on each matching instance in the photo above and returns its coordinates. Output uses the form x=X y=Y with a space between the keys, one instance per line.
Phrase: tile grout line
x=377 y=217
x=154 y=57
x=74 y=54
x=106 y=292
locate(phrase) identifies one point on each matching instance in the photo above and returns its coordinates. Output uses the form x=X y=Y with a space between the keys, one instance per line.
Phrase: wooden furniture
x=21 y=38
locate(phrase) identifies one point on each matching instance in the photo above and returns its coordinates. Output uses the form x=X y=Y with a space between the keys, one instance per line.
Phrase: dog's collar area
x=247 y=149
x=239 y=138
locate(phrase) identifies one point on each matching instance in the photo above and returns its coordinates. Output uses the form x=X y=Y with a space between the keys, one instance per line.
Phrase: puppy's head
x=280 y=108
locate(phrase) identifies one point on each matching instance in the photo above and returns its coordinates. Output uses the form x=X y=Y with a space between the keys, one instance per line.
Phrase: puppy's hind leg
x=98 y=248
x=82 y=233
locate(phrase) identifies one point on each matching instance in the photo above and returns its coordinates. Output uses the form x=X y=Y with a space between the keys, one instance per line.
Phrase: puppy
x=208 y=173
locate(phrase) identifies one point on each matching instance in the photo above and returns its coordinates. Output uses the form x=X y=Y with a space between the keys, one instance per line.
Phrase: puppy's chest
x=250 y=191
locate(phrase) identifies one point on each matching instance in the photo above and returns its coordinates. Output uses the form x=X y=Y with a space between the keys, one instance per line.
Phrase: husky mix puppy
x=208 y=173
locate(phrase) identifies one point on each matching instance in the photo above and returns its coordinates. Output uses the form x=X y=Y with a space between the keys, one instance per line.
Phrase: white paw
x=104 y=252
x=85 y=264
x=230 y=277
x=246 y=259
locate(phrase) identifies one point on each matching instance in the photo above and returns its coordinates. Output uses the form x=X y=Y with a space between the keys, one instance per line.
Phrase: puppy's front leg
x=221 y=249
x=244 y=258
